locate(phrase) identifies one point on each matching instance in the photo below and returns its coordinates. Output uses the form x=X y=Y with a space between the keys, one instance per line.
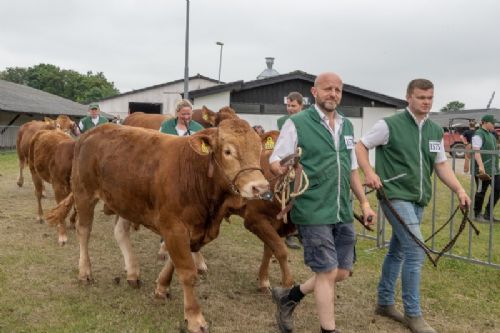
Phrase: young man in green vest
x=323 y=213
x=294 y=102
x=93 y=119
x=409 y=147
x=182 y=124
x=486 y=163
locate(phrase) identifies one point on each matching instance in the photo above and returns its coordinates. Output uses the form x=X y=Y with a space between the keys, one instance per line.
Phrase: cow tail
x=57 y=215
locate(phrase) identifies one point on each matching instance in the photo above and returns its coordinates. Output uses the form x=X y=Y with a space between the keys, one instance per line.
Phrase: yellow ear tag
x=205 y=116
x=269 y=145
x=204 y=148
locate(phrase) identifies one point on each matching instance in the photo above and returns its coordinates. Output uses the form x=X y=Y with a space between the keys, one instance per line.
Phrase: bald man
x=323 y=213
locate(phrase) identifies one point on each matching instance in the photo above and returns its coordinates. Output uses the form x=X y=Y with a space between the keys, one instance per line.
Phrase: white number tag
x=349 y=141
x=434 y=146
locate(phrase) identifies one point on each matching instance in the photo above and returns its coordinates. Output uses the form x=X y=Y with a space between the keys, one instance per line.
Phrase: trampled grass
x=39 y=290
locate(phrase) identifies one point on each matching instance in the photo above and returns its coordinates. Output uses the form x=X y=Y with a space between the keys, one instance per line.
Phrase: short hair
x=419 y=84
x=472 y=123
x=295 y=96
x=182 y=104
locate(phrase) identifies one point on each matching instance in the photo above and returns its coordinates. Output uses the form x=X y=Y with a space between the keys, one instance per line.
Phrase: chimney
x=270 y=62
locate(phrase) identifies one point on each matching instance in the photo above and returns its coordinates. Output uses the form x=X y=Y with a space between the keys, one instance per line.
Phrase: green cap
x=93 y=106
x=489 y=119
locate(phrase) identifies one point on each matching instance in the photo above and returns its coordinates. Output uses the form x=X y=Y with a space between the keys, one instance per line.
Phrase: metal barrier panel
x=483 y=244
x=8 y=135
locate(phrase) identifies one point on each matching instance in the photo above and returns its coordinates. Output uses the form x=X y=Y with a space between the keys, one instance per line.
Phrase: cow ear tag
x=205 y=117
x=269 y=145
x=204 y=148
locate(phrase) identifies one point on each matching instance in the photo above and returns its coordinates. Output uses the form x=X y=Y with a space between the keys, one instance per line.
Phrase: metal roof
x=295 y=75
x=23 y=99
x=443 y=118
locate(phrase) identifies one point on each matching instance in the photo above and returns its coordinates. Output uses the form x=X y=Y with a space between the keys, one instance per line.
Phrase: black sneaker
x=284 y=309
x=292 y=242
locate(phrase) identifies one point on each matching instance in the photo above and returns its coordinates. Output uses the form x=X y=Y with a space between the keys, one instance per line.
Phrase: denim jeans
x=404 y=256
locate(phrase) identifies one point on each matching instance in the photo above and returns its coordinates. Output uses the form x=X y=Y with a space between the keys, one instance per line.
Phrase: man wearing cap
x=485 y=164
x=93 y=119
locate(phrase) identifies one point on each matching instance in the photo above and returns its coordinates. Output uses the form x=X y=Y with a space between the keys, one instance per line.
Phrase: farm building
x=459 y=119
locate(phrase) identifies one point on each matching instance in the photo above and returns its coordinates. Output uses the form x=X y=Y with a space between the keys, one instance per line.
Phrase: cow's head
x=65 y=124
x=224 y=114
x=235 y=149
x=208 y=116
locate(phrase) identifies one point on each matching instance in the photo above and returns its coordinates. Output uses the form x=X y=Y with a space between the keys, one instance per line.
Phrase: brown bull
x=175 y=186
x=146 y=120
x=208 y=118
x=26 y=132
x=50 y=158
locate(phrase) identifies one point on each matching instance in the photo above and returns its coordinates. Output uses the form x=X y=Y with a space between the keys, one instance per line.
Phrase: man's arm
x=285 y=146
x=447 y=176
x=369 y=216
x=371 y=178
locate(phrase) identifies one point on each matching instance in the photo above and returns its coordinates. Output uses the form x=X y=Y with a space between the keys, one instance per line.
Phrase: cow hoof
x=265 y=290
x=136 y=284
x=184 y=329
x=20 y=183
x=161 y=257
x=87 y=280
x=163 y=296
x=63 y=240
x=62 y=243
x=40 y=220
x=202 y=272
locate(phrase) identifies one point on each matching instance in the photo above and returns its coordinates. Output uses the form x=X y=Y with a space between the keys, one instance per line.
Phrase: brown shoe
x=390 y=311
x=284 y=309
x=418 y=325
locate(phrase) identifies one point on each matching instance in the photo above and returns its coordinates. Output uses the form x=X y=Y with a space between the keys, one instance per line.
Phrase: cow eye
x=227 y=152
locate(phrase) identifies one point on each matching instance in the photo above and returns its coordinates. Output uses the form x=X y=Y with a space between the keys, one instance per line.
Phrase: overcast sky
x=376 y=45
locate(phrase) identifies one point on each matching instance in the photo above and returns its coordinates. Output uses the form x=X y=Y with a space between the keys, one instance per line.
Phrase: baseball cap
x=489 y=119
x=93 y=106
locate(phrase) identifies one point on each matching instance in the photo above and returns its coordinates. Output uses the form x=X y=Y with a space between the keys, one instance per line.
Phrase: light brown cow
x=146 y=120
x=173 y=185
x=50 y=158
x=26 y=132
x=208 y=118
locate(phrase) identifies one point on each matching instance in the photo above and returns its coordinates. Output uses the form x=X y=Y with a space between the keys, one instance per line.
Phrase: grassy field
x=39 y=290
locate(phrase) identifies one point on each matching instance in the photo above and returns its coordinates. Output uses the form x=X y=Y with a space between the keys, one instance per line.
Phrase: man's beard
x=328 y=106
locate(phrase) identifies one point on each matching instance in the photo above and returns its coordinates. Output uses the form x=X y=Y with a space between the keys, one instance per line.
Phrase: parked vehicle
x=453 y=138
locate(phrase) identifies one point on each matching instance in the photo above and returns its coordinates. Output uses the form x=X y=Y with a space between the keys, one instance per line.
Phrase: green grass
x=39 y=290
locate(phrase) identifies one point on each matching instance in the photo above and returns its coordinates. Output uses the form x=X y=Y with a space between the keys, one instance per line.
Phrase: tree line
x=80 y=88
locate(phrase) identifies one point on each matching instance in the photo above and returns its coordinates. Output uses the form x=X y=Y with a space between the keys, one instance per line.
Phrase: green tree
x=453 y=106
x=81 y=88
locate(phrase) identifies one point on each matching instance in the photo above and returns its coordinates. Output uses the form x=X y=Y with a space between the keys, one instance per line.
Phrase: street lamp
x=221 y=44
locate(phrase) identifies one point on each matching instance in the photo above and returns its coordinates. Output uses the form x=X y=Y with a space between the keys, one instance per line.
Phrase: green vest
x=88 y=124
x=327 y=200
x=168 y=126
x=405 y=164
x=489 y=143
x=281 y=121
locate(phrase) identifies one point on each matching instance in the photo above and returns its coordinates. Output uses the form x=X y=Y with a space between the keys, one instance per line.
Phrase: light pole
x=186 y=55
x=221 y=44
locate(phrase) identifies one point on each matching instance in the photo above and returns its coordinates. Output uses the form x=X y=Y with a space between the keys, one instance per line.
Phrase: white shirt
x=477 y=142
x=288 y=140
x=379 y=136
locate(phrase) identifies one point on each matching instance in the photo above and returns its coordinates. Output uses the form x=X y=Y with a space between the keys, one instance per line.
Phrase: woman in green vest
x=409 y=147
x=182 y=124
x=323 y=213
x=486 y=163
x=93 y=119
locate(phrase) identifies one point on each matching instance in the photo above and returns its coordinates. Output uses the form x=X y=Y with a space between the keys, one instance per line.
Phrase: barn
x=20 y=104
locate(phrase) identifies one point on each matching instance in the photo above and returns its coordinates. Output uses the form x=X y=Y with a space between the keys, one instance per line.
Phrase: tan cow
x=208 y=118
x=146 y=120
x=26 y=132
x=50 y=158
x=173 y=185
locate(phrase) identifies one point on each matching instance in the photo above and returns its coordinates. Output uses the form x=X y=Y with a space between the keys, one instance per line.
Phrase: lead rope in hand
x=428 y=251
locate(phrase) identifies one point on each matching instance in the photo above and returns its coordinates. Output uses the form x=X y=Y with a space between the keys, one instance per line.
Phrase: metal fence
x=8 y=136
x=490 y=230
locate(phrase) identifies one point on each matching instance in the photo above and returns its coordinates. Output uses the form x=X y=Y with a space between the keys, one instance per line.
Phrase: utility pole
x=186 y=54
x=221 y=44
x=491 y=100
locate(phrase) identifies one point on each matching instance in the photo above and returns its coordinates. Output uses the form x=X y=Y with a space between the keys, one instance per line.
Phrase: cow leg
x=177 y=242
x=38 y=182
x=162 y=251
x=199 y=262
x=264 y=284
x=20 y=178
x=85 y=207
x=60 y=194
x=122 y=236
x=164 y=280
x=72 y=219
x=263 y=229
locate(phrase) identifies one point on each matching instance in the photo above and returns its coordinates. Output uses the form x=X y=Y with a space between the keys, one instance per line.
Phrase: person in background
x=467 y=138
x=294 y=103
x=409 y=148
x=182 y=124
x=323 y=213
x=93 y=119
x=259 y=129
x=486 y=164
